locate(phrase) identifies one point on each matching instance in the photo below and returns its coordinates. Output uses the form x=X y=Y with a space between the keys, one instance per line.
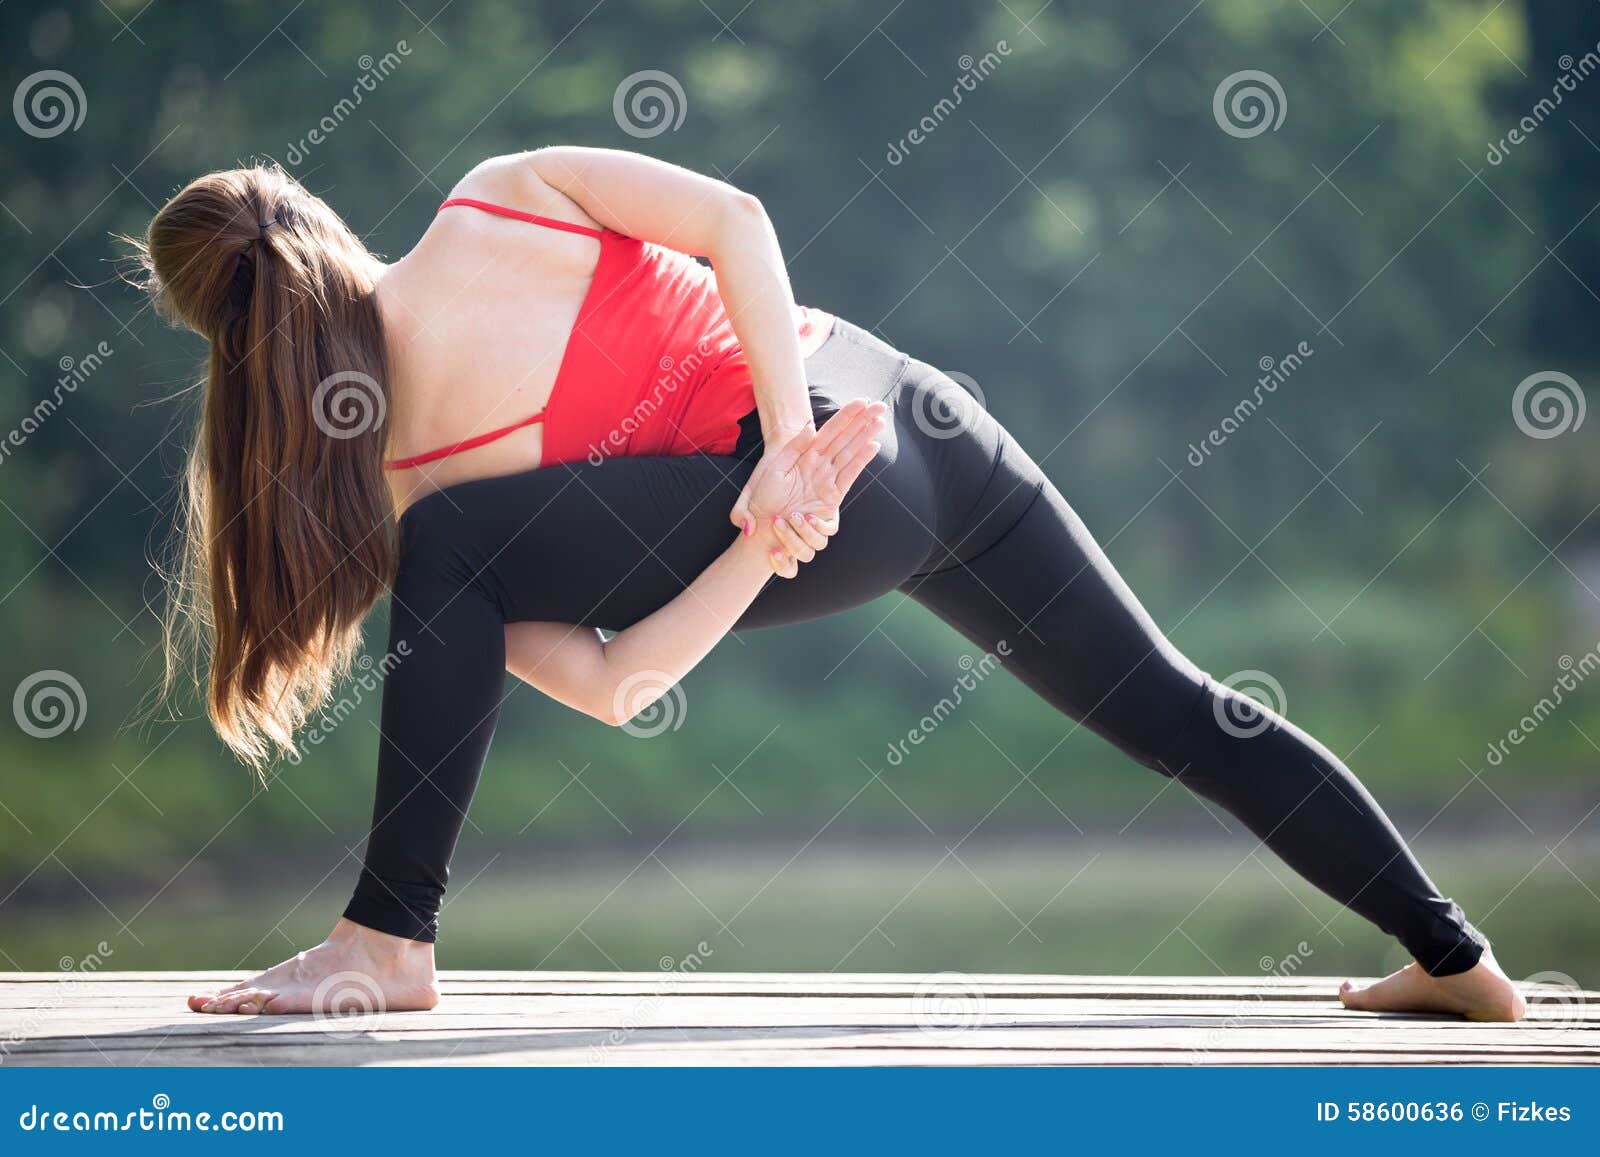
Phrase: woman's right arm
x=614 y=679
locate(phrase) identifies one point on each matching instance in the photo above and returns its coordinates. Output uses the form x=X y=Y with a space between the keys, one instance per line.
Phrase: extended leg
x=1077 y=635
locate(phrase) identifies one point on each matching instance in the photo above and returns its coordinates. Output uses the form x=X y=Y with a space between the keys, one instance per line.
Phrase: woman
x=567 y=411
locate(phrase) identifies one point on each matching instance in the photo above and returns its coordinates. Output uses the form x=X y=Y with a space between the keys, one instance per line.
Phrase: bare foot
x=355 y=970
x=1481 y=993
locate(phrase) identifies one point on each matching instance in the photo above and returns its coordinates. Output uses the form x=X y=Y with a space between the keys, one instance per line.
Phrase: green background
x=1080 y=238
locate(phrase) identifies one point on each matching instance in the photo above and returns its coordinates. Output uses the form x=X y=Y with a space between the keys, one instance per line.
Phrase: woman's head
x=288 y=524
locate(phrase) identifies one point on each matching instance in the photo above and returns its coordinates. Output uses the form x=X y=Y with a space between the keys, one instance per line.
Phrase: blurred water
x=1196 y=906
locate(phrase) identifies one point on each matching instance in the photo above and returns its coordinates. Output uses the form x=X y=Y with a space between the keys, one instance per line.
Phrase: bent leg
x=441 y=699
x=596 y=545
x=1076 y=634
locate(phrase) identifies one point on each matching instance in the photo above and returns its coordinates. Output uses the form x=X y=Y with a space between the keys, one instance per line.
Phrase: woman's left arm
x=683 y=210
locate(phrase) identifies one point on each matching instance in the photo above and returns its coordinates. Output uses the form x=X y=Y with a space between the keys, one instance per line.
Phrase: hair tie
x=265 y=225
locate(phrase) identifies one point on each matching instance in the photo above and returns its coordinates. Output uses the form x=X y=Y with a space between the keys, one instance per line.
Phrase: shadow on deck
x=589 y=1018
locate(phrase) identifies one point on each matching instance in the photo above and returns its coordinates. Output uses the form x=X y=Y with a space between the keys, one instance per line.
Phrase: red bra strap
x=518 y=214
x=461 y=447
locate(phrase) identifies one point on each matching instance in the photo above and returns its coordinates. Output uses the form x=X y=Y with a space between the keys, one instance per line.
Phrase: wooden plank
x=674 y=1047
x=744 y=1018
x=469 y=1014
x=34 y=990
x=785 y=980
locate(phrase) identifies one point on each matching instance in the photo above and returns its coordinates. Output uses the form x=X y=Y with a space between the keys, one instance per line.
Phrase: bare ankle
x=382 y=947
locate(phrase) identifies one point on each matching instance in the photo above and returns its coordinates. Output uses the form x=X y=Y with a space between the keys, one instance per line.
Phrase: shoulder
x=512 y=180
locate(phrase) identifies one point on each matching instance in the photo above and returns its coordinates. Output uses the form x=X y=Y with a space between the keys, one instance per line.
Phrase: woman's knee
x=437 y=561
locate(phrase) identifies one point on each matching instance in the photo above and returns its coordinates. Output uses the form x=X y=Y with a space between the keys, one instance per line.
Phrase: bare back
x=477 y=318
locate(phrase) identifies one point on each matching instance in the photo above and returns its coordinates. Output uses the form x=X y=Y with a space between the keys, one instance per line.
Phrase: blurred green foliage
x=1079 y=236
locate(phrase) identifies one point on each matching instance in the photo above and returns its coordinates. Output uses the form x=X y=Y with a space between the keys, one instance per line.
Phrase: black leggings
x=954 y=514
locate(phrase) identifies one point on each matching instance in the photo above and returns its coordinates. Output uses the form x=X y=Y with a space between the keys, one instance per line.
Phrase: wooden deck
x=569 y=1018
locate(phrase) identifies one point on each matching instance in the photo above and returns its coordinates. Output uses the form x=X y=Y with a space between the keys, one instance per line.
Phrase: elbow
x=743 y=213
x=741 y=223
x=607 y=714
x=745 y=206
x=649 y=696
x=610 y=705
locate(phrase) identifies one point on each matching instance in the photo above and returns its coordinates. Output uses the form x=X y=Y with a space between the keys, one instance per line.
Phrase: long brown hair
x=286 y=530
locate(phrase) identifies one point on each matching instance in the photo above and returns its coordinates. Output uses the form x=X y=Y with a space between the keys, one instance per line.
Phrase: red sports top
x=652 y=365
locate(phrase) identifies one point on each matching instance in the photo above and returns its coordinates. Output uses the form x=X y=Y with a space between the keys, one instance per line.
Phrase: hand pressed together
x=793 y=496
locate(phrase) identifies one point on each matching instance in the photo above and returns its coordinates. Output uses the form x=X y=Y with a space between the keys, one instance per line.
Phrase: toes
x=198 y=1000
x=235 y=1002
x=279 y=1003
x=254 y=1001
x=1353 y=997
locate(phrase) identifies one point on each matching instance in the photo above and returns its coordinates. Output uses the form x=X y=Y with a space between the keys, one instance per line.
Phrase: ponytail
x=286 y=528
